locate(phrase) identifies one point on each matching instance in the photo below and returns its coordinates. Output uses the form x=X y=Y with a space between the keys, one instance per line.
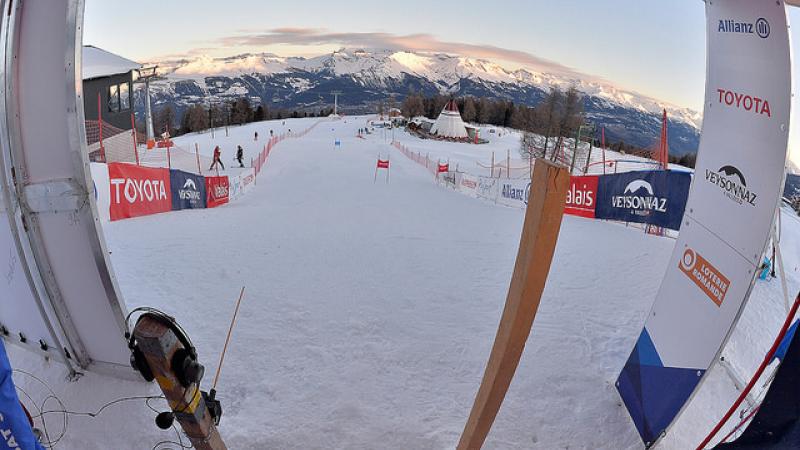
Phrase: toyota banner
x=138 y=191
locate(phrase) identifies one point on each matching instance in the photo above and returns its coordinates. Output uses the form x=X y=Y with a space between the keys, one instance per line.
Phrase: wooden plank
x=159 y=343
x=539 y=236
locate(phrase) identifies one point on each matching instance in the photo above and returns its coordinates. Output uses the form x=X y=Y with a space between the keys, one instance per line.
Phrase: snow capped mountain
x=376 y=66
x=369 y=75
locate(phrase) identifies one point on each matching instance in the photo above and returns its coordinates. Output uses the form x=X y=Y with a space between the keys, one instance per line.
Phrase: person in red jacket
x=217 y=159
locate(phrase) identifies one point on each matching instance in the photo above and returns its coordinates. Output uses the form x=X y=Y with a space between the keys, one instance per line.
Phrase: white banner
x=468 y=184
x=731 y=206
x=487 y=188
x=102 y=190
x=242 y=183
x=513 y=192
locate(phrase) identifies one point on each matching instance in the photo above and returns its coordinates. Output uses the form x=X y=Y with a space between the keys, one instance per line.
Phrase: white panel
x=19 y=311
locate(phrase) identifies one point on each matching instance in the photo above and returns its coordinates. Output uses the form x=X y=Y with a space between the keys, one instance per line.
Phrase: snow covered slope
x=371 y=308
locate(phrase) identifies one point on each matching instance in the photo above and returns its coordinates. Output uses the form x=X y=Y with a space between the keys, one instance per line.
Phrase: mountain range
x=366 y=77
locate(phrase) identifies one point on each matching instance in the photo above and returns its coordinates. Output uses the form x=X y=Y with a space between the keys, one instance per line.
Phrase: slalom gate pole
x=540 y=231
x=227 y=340
x=756 y=375
x=197 y=155
x=169 y=158
x=389 y=160
x=135 y=144
x=100 y=127
x=375 y=178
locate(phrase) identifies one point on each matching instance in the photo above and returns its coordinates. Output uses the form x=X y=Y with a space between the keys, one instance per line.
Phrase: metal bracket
x=59 y=196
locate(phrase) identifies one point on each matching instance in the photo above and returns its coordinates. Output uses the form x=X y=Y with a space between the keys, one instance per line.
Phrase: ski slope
x=370 y=310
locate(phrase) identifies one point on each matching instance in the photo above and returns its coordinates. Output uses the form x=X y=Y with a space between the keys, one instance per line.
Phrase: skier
x=217 y=159
x=256 y=136
x=240 y=155
x=271 y=133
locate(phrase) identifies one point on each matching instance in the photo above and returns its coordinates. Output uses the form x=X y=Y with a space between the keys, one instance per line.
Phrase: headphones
x=184 y=362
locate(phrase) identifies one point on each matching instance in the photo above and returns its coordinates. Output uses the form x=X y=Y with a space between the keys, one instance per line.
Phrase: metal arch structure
x=61 y=297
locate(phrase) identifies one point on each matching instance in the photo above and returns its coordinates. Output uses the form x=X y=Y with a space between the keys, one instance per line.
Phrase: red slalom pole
x=756 y=376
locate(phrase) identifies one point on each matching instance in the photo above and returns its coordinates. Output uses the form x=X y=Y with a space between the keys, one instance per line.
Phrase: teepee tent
x=449 y=124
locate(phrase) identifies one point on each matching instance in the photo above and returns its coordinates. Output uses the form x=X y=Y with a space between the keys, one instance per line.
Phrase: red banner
x=138 y=191
x=383 y=164
x=582 y=196
x=217 y=191
x=444 y=168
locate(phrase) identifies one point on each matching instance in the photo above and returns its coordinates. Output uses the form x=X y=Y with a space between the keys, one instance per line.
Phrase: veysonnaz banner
x=729 y=212
x=188 y=190
x=652 y=197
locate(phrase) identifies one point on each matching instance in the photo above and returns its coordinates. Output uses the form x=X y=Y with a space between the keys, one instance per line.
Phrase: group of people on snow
x=218 y=157
x=239 y=153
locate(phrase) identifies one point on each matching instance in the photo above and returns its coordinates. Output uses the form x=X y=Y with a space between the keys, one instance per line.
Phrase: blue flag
x=15 y=430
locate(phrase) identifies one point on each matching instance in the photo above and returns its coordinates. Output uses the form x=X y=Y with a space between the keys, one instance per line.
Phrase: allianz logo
x=733 y=184
x=639 y=197
x=510 y=192
x=759 y=28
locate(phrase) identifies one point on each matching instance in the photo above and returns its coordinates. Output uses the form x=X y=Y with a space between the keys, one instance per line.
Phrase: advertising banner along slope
x=188 y=190
x=138 y=191
x=729 y=212
x=652 y=197
x=217 y=191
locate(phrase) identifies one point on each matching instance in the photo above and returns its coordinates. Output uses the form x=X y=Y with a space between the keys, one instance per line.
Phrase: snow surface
x=101 y=63
x=370 y=311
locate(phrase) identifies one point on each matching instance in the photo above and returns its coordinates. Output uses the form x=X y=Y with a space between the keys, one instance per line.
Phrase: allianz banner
x=217 y=191
x=188 y=190
x=138 y=191
x=651 y=197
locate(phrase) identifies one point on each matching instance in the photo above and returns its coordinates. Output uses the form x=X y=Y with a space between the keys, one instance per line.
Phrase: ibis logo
x=733 y=184
x=640 y=198
x=703 y=274
x=758 y=28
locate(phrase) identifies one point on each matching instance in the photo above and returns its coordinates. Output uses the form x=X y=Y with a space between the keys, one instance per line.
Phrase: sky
x=653 y=47
x=665 y=39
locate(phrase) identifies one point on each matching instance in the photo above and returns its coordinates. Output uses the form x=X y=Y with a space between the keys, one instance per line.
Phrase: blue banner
x=652 y=197
x=188 y=190
x=15 y=430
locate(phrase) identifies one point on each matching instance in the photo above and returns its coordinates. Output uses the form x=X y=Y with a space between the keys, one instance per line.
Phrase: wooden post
x=197 y=155
x=508 y=163
x=159 y=344
x=539 y=236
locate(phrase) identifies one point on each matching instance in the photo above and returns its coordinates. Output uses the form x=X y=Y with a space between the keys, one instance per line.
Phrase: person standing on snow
x=217 y=159
x=240 y=156
x=256 y=136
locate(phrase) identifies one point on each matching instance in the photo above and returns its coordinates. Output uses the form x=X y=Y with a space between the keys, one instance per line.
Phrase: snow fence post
x=159 y=343
x=543 y=216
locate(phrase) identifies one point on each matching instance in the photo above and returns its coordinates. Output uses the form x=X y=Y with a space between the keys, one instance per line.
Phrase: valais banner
x=582 y=196
x=729 y=213
x=138 y=191
x=217 y=191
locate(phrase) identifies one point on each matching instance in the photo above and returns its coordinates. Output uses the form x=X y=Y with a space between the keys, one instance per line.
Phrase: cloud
x=410 y=42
